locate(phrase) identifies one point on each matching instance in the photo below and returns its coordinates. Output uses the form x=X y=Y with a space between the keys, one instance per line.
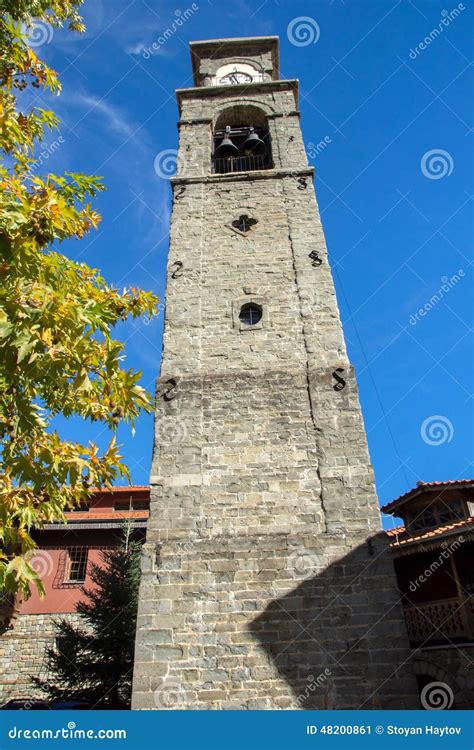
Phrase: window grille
x=452 y=512
x=424 y=520
x=76 y=567
x=438 y=514
x=250 y=314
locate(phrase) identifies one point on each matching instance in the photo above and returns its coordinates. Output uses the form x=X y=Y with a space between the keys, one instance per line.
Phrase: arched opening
x=438 y=686
x=241 y=141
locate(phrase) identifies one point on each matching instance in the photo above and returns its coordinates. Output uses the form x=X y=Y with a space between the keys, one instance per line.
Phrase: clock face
x=236 y=77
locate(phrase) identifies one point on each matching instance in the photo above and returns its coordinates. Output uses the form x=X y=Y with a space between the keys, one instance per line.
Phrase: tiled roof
x=117 y=489
x=400 y=531
x=105 y=515
x=421 y=487
x=396 y=531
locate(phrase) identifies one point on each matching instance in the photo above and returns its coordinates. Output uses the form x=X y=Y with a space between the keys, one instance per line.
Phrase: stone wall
x=266 y=582
x=22 y=654
x=258 y=55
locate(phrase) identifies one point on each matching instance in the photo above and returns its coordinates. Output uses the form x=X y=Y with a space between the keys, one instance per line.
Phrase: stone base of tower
x=271 y=622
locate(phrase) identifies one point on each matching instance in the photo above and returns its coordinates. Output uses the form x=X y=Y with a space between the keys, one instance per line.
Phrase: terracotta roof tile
x=428 y=534
x=119 y=488
x=105 y=515
x=395 y=531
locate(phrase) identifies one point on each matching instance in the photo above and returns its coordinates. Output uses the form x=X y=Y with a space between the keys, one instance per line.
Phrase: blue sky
x=392 y=181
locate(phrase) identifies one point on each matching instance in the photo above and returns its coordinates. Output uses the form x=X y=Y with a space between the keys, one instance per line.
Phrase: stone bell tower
x=265 y=579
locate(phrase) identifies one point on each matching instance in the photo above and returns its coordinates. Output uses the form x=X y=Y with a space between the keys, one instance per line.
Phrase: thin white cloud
x=115 y=119
x=159 y=50
x=84 y=113
x=137 y=48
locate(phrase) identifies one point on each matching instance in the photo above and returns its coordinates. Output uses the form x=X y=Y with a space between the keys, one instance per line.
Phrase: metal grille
x=240 y=164
x=76 y=567
x=250 y=314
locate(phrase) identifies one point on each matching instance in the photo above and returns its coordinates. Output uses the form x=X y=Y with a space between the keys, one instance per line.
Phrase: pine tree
x=94 y=661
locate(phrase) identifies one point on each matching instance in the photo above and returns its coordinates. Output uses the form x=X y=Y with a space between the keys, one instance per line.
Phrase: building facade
x=63 y=559
x=433 y=556
x=266 y=581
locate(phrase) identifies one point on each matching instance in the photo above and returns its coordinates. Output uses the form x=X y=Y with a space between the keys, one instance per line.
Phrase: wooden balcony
x=447 y=620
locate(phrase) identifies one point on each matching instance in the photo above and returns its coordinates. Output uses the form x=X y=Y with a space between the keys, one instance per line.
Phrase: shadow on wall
x=339 y=638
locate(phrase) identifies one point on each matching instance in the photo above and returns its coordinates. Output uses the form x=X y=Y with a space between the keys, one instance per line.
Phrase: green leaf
x=58 y=354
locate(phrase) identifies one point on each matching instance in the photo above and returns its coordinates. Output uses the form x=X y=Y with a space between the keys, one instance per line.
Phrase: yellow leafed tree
x=57 y=352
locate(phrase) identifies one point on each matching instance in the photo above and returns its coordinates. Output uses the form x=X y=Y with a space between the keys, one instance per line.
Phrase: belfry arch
x=241 y=140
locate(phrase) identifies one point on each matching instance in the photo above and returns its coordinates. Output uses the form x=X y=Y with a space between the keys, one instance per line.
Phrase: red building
x=433 y=557
x=63 y=559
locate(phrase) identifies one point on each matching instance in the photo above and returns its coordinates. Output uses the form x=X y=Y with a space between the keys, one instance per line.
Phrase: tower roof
x=209 y=48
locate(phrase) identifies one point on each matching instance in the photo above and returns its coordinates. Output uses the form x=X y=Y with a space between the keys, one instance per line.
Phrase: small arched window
x=250 y=314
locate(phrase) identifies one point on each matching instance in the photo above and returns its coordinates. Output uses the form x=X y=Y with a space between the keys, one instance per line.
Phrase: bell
x=226 y=149
x=253 y=145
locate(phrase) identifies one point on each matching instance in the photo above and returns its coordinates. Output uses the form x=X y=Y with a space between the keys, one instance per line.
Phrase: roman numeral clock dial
x=236 y=77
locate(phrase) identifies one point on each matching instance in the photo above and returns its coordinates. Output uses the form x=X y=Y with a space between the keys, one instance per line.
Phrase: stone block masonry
x=23 y=653
x=266 y=582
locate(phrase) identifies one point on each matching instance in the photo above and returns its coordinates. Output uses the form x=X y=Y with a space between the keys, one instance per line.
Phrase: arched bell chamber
x=241 y=149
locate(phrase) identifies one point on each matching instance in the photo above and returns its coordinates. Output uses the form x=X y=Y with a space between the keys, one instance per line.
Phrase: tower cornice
x=206 y=92
x=208 y=120
x=264 y=174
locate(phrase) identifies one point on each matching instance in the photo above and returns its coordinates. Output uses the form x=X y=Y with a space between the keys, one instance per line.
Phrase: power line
x=372 y=377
